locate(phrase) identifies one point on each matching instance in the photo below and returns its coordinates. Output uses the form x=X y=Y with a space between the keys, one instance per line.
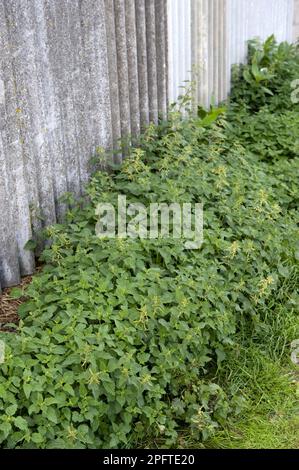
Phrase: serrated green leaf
x=21 y=423
x=11 y=410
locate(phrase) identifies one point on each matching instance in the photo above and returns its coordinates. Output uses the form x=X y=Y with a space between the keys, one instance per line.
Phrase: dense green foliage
x=270 y=136
x=268 y=77
x=124 y=338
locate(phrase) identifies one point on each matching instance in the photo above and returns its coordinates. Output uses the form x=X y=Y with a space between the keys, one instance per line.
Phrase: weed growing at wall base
x=269 y=79
x=130 y=340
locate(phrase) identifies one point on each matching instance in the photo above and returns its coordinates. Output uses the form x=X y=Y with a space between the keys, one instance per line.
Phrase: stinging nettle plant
x=121 y=339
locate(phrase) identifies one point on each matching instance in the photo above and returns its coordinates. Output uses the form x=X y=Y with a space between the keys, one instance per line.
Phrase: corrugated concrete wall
x=74 y=75
x=219 y=30
x=296 y=21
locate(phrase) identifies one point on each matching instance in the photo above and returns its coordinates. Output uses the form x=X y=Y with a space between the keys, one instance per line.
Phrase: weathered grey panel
x=161 y=53
x=113 y=75
x=151 y=59
x=74 y=75
x=122 y=63
x=132 y=66
x=142 y=62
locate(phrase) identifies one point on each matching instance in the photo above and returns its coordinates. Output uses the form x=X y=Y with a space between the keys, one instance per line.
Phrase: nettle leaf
x=109 y=388
x=52 y=414
x=11 y=410
x=37 y=438
x=221 y=355
x=16 y=293
x=3 y=392
x=27 y=389
x=69 y=389
x=21 y=423
x=5 y=429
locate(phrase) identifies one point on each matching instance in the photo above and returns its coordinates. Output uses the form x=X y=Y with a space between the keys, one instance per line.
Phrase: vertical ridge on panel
x=36 y=60
x=113 y=76
x=13 y=196
x=195 y=49
x=211 y=50
x=16 y=223
x=30 y=113
x=170 y=50
x=122 y=66
x=90 y=86
x=221 y=74
x=102 y=115
x=54 y=130
x=175 y=39
x=187 y=34
x=161 y=56
x=224 y=41
x=291 y=20
x=132 y=66
x=9 y=262
x=166 y=39
x=182 y=49
x=60 y=140
x=62 y=135
x=206 y=58
x=142 y=62
x=216 y=49
x=151 y=59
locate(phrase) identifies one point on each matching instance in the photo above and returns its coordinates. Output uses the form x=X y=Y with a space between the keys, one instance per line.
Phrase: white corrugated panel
x=296 y=21
x=179 y=46
x=257 y=18
x=219 y=31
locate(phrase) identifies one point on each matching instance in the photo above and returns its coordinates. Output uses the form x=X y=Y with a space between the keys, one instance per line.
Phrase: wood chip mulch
x=9 y=307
